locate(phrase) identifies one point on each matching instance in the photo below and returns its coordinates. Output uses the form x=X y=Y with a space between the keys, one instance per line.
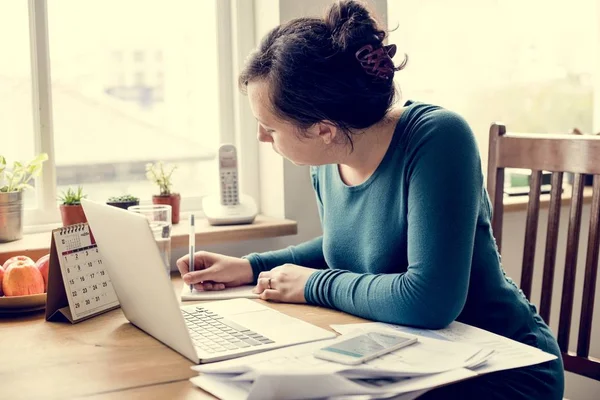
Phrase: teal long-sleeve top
x=413 y=244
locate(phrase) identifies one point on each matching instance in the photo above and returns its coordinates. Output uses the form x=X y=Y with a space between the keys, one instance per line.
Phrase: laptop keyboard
x=214 y=334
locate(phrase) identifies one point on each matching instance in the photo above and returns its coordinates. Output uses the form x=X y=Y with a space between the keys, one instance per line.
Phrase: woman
x=405 y=215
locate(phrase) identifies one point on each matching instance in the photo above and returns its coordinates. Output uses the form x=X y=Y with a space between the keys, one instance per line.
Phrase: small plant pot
x=123 y=204
x=174 y=200
x=72 y=214
x=11 y=216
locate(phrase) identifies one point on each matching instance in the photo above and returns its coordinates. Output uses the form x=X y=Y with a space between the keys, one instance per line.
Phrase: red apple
x=16 y=258
x=1 y=278
x=43 y=264
x=22 y=278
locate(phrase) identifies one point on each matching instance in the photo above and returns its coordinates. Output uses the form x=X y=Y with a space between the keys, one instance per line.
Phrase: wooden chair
x=578 y=154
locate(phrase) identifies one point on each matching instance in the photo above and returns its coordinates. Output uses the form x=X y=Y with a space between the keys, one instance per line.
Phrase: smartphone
x=364 y=347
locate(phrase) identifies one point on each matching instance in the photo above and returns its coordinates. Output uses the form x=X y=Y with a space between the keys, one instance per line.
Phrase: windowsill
x=519 y=203
x=36 y=245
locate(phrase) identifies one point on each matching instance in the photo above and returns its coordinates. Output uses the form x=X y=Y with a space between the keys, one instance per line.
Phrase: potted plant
x=71 y=210
x=161 y=176
x=12 y=184
x=123 y=201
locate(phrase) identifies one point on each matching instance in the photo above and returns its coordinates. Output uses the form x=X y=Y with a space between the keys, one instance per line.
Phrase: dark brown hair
x=312 y=70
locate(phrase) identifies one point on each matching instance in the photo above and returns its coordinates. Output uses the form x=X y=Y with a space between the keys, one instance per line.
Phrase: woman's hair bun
x=352 y=25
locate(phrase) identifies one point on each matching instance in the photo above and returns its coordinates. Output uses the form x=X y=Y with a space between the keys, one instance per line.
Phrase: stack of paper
x=439 y=358
x=294 y=373
x=508 y=353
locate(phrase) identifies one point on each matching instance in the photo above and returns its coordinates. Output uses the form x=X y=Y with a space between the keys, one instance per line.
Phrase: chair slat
x=495 y=184
x=498 y=210
x=566 y=307
x=551 y=245
x=531 y=226
x=591 y=272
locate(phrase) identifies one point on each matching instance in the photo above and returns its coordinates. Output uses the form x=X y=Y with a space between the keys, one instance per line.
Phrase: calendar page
x=87 y=284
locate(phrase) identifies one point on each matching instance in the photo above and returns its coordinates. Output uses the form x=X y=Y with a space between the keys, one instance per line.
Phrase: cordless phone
x=229 y=206
x=228 y=175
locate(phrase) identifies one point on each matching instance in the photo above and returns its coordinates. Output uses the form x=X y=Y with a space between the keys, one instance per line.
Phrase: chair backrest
x=559 y=154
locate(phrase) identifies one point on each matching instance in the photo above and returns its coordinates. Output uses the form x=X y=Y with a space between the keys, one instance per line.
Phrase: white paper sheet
x=294 y=373
x=507 y=353
x=228 y=390
x=222 y=389
x=229 y=293
x=427 y=356
x=323 y=386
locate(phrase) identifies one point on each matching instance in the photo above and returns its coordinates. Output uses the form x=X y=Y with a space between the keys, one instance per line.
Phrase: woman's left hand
x=284 y=283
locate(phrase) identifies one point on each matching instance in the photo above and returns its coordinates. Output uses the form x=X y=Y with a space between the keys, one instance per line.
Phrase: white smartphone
x=364 y=347
x=228 y=175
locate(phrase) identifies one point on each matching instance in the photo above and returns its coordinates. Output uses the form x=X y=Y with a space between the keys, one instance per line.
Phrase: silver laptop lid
x=137 y=272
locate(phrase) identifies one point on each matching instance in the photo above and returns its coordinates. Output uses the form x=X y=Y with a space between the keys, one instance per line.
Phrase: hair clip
x=377 y=62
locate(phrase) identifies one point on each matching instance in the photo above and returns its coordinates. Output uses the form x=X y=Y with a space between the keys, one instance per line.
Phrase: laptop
x=202 y=332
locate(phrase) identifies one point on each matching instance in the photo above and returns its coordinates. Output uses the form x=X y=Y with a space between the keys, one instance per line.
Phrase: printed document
x=508 y=353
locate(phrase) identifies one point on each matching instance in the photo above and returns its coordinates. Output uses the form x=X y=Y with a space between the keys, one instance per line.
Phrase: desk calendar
x=78 y=284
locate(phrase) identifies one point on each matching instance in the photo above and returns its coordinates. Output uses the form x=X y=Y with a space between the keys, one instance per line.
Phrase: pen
x=192 y=246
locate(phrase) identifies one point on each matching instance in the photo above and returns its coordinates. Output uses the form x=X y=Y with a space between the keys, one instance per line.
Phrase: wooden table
x=106 y=357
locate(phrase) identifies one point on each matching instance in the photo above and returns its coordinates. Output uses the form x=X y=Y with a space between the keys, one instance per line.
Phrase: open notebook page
x=229 y=293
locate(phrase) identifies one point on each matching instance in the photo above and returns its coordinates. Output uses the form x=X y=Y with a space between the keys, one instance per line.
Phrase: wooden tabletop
x=106 y=357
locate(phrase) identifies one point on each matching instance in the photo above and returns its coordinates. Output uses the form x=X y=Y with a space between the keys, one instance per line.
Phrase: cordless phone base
x=218 y=214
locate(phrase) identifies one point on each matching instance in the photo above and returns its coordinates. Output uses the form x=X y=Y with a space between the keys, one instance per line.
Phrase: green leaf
x=37 y=170
x=160 y=174
x=21 y=173
x=39 y=159
x=24 y=186
x=71 y=197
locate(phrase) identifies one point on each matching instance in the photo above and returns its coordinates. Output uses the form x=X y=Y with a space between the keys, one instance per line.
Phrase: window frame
x=47 y=213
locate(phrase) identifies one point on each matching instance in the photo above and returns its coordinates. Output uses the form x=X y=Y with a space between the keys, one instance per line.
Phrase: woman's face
x=311 y=148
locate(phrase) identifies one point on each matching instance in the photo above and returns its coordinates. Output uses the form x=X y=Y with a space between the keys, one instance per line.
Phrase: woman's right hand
x=214 y=271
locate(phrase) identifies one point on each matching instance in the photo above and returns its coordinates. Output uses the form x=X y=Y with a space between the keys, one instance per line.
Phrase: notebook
x=229 y=293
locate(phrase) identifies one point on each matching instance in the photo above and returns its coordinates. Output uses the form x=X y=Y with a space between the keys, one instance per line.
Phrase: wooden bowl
x=22 y=304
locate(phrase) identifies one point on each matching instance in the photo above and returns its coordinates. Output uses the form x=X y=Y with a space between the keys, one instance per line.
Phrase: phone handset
x=228 y=175
x=229 y=206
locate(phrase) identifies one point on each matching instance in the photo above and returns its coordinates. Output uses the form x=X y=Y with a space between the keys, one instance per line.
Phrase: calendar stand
x=78 y=285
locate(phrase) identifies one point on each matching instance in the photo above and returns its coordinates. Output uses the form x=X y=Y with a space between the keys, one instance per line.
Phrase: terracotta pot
x=72 y=214
x=174 y=200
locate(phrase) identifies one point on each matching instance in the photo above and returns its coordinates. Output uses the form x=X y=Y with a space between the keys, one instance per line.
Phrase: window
x=16 y=119
x=139 y=80
x=127 y=83
x=494 y=60
x=138 y=56
x=106 y=129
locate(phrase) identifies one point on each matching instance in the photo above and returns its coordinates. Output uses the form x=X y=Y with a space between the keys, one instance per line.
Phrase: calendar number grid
x=87 y=283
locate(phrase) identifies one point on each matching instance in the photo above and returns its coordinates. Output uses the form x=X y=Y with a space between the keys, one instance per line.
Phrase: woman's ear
x=325 y=131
